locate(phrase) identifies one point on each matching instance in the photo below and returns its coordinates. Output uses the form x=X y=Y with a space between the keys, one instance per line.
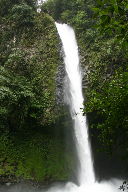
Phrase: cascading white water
x=74 y=98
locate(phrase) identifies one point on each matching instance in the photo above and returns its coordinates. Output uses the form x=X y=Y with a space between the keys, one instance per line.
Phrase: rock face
x=60 y=82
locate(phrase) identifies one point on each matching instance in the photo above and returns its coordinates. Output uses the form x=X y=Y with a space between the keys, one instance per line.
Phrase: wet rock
x=8 y=184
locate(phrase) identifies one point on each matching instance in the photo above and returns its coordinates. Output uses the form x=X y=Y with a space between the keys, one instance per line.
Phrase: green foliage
x=15 y=98
x=34 y=156
x=30 y=66
x=106 y=92
x=22 y=15
x=55 y=7
x=69 y=11
x=106 y=75
x=29 y=58
x=113 y=19
x=6 y=5
x=110 y=104
x=17 y=63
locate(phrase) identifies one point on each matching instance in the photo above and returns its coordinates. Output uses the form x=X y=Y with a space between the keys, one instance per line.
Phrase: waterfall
x=74 y=98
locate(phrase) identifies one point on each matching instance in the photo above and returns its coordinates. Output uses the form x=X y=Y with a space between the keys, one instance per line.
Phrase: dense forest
x=29 y=113
x=32 y=128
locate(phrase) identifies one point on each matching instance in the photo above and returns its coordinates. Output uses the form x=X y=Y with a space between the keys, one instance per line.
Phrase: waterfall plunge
x=74 y=98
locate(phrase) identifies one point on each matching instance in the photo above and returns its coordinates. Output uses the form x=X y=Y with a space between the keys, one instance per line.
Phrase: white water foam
x=110 y=186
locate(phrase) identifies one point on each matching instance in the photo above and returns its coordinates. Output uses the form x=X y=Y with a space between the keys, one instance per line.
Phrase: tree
x=113 y=19
x=6 y=5
x=22 y=16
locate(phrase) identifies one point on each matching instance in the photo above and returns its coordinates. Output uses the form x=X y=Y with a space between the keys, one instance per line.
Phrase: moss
x=39 y=158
